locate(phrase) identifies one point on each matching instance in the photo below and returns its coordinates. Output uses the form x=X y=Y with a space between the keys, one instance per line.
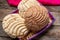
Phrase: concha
x=14 y=26
x=36 y=18
x=25 y=4
x=35 y=15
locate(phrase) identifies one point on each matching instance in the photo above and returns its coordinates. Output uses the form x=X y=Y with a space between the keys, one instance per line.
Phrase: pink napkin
x=13 y=2
x=44 y=2
x=50 y=2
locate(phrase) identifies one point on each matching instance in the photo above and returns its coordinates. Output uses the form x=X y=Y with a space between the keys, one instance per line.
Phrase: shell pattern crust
x=14 y=26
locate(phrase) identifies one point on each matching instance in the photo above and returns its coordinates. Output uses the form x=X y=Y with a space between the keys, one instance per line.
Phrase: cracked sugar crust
x=14 y=26
x=36 y=17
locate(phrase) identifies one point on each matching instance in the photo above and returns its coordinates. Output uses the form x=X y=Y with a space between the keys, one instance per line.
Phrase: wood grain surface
x=53 y=33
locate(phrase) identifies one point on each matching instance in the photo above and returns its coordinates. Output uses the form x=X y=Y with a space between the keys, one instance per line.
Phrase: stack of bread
x=32 y=18
x=35 y=15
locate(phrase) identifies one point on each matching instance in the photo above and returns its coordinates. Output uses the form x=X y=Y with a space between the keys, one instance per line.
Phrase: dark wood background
x=52 y=33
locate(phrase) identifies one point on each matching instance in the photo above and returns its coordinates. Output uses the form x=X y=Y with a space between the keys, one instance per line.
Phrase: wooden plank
x=5 y=9
x=4 y=5
x=57 y=17
x=53 y=33
x=2 y=33
x=4 y=12
x=53 y=8
x=2 y=38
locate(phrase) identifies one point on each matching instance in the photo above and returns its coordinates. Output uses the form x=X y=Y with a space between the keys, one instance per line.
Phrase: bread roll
x=14 y=26
x=36 y=18
x=25 y=4
x=35 y=15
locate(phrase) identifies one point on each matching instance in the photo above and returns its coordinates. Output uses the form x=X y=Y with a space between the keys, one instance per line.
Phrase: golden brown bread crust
x=30 y=34
x=36 y=17
x=25 y=4
x=32 y=17
x=14 y=26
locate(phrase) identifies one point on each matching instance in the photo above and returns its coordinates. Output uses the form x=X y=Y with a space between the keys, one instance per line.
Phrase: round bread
x=36 y=18
x=35 y=15
x=14 y=26
x=25 y=4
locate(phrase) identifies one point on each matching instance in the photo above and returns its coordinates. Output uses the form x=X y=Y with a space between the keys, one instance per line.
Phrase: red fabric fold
x=13 y=2
x=50 y=2
x=44 y=2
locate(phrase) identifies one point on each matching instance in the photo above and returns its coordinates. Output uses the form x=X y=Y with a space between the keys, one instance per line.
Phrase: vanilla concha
x=25 y=4
x=14 y=26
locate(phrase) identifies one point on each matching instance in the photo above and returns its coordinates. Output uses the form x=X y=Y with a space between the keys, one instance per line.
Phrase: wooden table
x=52 y=33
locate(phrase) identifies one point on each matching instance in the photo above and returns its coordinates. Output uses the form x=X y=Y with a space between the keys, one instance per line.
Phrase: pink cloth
x=44 y=2
x=50 y=2
x=13 y=2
